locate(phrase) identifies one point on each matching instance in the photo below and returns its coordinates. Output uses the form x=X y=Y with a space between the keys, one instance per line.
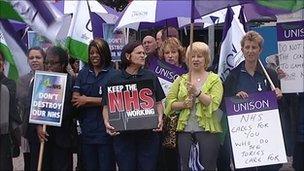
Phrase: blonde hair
x=172 y=43
x=252 y=36
x=199 y=48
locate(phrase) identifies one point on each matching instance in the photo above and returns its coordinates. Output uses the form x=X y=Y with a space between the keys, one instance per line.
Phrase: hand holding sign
x=42 y=135
x=278 y=93
x=159 y=125
x=242 y=94
x=110 y=129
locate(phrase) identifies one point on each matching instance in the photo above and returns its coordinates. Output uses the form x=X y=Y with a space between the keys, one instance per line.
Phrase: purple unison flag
x=11 y=30
x=242 y=18
x=97 y=23
x=205 y=7
x=255 y=102
x=165 y=70
x=44 y=11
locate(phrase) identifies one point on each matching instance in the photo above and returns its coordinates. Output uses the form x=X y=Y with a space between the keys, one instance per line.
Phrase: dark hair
x=128 y=49
x=37 y=48
x=103 y=49
x=73 y=60
x=61 y=53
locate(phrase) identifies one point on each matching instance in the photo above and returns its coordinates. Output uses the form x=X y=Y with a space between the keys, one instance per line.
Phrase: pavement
x=19 y=164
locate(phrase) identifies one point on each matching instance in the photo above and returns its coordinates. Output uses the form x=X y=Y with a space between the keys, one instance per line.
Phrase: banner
x=44 y=17
x=230 y=54
x=80 y=32
x=115 y=39
x=13 y=50
x=132 y=106
x=255 y=130
x=291 y=57
x=48 y=98
x=165 y=72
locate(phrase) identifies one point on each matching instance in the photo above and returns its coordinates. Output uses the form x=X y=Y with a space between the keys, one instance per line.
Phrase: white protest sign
x=48 y=98
x=291 y=55
x=255 y=130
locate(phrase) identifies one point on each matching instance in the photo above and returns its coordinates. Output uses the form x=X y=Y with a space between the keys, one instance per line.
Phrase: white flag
x=230 y=54
x=80 y=33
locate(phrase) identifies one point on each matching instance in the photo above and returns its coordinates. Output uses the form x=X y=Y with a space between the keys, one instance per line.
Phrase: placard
x=34 y=39
x=165 y=72
x=48 y=98
x=255 y=130
x=115 y=39
x=132 y=105
x=291 y=55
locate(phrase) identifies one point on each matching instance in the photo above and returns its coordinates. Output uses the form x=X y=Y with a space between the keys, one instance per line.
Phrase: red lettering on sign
x=116 y=102
x=144 y=95
x=131 y=97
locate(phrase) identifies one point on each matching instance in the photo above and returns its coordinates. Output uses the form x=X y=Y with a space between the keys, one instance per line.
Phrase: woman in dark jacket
x=248 y=77
x=136 y=150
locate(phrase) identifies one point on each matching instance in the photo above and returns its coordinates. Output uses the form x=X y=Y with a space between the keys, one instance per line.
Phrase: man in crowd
x=150 y=47
x=149 y=44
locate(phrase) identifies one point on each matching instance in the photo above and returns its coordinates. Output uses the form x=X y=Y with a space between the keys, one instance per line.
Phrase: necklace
x=198 y=79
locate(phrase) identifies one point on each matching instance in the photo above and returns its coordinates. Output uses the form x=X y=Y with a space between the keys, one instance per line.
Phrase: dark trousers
x=27 y=161
x=54 y=157
x=223 y=161
x=298 y=157
x=209 y=144
x=98 y=156
x=168 y=159
x=137 y=150
x=6 y=162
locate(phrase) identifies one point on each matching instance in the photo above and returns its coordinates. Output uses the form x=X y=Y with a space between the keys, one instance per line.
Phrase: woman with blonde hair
x=197 y=95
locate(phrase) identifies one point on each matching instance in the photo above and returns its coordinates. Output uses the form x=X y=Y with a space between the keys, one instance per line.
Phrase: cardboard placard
x=291 y=56
x=132 y=105
x=48 y=98
x=255 y=130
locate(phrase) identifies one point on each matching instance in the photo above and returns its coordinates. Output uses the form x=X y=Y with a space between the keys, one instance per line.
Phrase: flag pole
x=267 y=75
x=191 y=39
x=41 y=150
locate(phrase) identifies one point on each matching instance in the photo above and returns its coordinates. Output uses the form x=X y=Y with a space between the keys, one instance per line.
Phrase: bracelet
x=199 y=93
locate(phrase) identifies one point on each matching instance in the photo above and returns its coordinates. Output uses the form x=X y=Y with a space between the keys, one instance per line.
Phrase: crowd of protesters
x=192 y=100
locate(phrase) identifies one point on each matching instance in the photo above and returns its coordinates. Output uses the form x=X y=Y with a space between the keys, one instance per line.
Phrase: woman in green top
x=197 y=95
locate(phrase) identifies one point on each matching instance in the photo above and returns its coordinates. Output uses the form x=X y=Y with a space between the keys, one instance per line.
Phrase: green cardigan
x=206 y=115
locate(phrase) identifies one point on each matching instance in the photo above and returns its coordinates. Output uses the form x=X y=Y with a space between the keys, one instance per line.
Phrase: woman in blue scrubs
x=136 y=150
x=96 y=145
